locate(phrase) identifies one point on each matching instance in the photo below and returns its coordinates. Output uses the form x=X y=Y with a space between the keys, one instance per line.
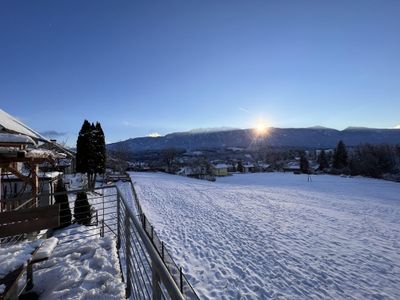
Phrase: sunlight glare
x=261 y=127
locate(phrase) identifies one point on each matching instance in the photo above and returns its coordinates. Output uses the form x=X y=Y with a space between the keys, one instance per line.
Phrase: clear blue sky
x=162 y=66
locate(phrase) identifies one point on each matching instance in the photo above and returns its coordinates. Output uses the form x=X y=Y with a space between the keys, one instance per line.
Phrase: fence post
x=128 y=254
x=102 y=228
x=155 y=282
x=181 y=279
x=102 y=223
x=118 y=220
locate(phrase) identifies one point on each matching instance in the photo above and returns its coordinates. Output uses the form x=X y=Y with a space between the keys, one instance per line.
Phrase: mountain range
x=312 y=137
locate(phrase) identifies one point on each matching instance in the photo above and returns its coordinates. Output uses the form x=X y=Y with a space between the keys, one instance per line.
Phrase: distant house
x=264 y=167
x=220 y=169
x=199 y=172
x=313 y=166
x=249 y=167
x=231 y=168
x=65 y=163
x=292 y=166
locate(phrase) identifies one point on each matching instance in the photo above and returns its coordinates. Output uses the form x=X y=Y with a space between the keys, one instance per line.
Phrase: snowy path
x=276 y=236
x=87 y=268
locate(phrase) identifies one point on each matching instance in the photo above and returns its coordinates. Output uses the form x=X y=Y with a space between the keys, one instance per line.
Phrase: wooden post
x=1 y=190
x=35 y=185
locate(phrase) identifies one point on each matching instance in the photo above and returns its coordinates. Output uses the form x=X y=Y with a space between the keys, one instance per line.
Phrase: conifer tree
x=91 y=151
x=62 y=199
x=100 y=145
x=323 y=160
x=340 y=156
x=304 y=167
x=82 y=147
x=82 y=209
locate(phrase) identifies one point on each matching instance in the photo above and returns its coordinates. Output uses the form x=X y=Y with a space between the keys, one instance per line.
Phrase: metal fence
x=175 y=271
x=148 y=269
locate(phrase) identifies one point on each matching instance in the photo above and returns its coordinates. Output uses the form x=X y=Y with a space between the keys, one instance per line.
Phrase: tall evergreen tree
x=340 y=156
x=240 y=167
x=82 y=209
x=304 y=167
x=323 y=160
x=100 y=145
x=82 y=147
x=91 y=151
x=62 y=199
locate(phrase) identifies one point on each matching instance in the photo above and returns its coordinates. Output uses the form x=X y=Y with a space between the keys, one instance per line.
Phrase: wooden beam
x=29 y=220
x=18 y=174
x=35 y=160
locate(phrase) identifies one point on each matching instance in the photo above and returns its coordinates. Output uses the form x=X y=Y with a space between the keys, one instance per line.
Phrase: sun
x=261 y=127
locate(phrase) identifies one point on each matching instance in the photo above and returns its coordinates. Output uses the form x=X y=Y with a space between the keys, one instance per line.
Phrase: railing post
x=102 y=223
x=155 y=282
x=181 y=279
x=128 y=254
x=29 y=277
x=102 y=228
x=118 y=220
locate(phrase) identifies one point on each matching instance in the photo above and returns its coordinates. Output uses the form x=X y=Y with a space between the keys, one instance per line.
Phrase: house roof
x=11 y=125
x=10 y=138
x=221 y=166
x=248 y=165
x=292 y=165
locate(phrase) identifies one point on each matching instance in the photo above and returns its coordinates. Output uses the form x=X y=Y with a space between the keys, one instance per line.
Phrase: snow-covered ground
x=277 y=236
x=87 y=268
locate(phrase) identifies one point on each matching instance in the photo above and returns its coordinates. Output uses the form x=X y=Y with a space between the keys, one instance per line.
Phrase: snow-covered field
x=277 y=236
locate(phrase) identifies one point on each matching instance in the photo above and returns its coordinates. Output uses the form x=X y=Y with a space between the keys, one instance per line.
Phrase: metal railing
x=147 y=268
x=175 y=271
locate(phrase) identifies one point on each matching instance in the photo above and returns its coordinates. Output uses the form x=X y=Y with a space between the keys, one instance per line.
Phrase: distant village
x=209 y=164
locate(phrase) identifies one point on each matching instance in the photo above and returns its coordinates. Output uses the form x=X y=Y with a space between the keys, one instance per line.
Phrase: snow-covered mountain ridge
x=314 y=137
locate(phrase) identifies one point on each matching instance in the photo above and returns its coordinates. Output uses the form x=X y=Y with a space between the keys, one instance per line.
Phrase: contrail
x=245 y=110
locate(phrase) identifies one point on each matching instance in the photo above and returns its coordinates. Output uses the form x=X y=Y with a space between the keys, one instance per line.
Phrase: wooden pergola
x=15 y=140
x=16 y=152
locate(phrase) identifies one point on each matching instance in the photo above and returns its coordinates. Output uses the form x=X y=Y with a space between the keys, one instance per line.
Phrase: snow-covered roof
x=10 y=124
x=293 y=165
x=43 y=153
x=10 y=138
x=264 y=165
x=248 y=165
x=221 y=166
x=41 y=175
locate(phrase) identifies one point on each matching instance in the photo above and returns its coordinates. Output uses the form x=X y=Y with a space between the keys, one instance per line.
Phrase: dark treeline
x=374 y=160
x=378 y=161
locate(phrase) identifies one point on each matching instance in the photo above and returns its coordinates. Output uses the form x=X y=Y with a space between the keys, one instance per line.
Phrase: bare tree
x=169 y=156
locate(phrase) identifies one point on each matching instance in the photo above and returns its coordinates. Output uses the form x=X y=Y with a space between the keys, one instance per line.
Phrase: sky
x=142 y=67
